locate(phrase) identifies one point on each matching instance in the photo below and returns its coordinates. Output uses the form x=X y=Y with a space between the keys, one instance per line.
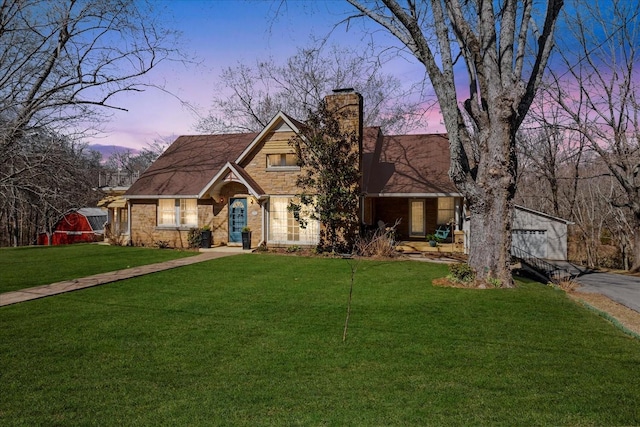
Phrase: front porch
x=422 y=246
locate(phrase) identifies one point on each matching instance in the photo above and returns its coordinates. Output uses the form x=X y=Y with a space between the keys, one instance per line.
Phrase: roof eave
x=414 y=195
x=229 y=167
x=158 y=196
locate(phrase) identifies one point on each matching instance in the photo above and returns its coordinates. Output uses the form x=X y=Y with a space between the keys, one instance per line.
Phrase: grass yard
x=29 y=266
x=257 y=340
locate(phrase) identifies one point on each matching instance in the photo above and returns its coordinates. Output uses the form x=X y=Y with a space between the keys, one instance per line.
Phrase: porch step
x=417 y=246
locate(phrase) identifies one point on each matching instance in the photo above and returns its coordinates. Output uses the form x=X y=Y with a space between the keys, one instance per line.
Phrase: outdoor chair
x=442 y=232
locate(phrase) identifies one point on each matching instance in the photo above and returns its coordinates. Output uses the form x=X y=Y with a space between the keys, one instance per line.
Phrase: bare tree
x=61 y=64
x=299 y=85
x=600 y=91
x=550 y=158
x=122 y=168
x=505 y=46
x=55 y=176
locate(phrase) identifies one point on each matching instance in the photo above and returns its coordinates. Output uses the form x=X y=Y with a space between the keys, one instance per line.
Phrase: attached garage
x=539 y=235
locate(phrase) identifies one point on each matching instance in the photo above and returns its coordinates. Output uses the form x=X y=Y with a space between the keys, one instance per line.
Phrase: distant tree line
x=61 y=65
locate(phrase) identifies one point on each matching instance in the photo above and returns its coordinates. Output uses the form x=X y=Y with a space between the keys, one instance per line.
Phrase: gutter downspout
x=264 y=228
x=130 y=242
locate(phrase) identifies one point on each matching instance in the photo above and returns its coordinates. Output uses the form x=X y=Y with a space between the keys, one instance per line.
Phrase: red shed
x=79 y=225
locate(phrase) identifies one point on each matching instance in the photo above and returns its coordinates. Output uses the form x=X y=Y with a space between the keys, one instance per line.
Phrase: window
x=283 y=227
x=446 y=210
x=177 y=212
x=282 y=161
x=122 y=215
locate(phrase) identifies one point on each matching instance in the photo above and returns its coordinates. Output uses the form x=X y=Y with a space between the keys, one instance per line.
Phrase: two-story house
x=229 y=182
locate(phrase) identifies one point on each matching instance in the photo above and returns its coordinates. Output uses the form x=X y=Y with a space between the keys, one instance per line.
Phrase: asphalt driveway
x=620 y=288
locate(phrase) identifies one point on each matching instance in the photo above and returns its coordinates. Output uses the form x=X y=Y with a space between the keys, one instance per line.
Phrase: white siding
x=555 y=234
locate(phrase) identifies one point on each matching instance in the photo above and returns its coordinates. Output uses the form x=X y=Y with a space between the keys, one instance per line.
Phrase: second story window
x=281 y=161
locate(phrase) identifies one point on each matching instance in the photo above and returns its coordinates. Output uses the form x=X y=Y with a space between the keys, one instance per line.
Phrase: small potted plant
x=433 y=240
x=205 y=237
x=246 y=238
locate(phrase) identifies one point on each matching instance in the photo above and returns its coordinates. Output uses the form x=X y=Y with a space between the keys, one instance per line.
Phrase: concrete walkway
x=28 y=294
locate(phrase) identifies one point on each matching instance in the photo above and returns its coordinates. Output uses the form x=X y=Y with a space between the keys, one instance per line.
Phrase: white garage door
x=534 y=242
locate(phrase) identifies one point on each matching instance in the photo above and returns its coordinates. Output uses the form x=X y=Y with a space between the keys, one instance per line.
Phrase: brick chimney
x=347 y=104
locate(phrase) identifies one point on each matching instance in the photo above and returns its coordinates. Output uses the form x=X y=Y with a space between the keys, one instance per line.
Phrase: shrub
x=379 y=243
x=163 y=244
x=194 y=238
x=461 y=272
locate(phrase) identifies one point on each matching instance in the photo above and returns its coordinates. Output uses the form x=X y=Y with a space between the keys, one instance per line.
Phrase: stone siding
x=145 y=232
x=272 y=181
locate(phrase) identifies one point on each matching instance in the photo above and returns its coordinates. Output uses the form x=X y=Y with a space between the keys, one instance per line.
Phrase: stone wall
x=145 y=232
x=278 y=181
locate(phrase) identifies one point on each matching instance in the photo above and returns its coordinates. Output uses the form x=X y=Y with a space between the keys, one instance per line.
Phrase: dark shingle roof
x=189 y=164
x=401 y=164
x=410 y=164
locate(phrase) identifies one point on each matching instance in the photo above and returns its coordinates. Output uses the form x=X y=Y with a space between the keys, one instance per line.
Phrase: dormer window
x=284 y=160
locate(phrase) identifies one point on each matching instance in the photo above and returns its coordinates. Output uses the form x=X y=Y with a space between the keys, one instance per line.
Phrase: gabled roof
x=409 y=165
x=275 y=123
x=232 y=172
x=91 y=212
x=392 y=166
x=96 y=217
x=542 y=214
x=186 y=167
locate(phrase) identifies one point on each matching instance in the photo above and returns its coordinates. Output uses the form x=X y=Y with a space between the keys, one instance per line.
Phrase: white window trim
x=314 y=233
x=178 y=214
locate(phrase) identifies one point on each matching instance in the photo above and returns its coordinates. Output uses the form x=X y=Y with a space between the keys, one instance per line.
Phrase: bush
x=163 y=244
x=380 y=243
x=194 y=238
x=461 y=272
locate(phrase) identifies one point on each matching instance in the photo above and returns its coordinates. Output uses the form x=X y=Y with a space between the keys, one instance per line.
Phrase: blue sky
x=222 y=33
x=219 y=34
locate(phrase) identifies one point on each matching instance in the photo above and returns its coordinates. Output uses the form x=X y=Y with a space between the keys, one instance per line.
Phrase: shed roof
x=95 y=216
x=542 y=214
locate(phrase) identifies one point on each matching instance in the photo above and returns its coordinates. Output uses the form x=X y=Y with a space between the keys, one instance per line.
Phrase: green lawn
x=257 y=340
x=25 y=267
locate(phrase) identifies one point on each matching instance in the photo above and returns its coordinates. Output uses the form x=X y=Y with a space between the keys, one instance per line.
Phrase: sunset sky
x=220 y=34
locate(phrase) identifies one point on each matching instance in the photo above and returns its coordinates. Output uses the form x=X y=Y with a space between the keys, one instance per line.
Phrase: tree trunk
x=491 y=191
x=490 y=244
x=635 y=266
x=491 y=206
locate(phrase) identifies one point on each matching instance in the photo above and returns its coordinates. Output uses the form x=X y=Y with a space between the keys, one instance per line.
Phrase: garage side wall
x=530 y=227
